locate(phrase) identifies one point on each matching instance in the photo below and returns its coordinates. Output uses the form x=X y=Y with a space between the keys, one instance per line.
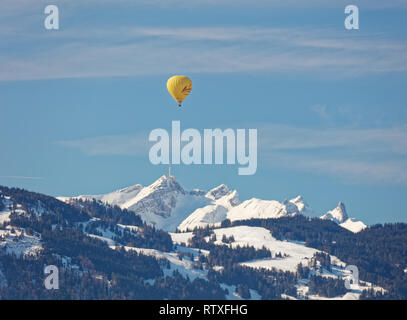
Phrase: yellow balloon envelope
x=179 y=87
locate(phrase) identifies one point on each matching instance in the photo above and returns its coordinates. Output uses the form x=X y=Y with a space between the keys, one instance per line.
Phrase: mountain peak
x=298 y=198
x=338 y=215
x=302 y=206
x=168 y=183
x=341 y=206
x=342 y=211
x=218 y=192
x=164 y=179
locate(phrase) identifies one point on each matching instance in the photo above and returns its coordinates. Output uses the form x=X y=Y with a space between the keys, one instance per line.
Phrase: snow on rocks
x=15 y=241
x=340 y=216
x=165 y=204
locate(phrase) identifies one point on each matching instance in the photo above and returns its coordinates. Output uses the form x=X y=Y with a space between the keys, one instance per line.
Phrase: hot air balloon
x=179 y=87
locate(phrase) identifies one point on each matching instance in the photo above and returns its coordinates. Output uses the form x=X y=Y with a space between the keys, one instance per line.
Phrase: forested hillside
x=105 y=252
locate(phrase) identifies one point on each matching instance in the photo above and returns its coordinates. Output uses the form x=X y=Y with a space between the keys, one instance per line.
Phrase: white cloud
x=124 y=145
x=355 y=171
x=356 y=155
x=320 y=110
x=138 y=51
x=22 y=177
x=14 y=6
x=384 y=140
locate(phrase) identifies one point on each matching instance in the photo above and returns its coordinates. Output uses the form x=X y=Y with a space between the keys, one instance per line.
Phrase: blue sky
x=329 y=104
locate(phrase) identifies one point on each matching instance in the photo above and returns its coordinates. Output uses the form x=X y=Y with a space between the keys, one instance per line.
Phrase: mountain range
x=166 y=205
x=164 y=242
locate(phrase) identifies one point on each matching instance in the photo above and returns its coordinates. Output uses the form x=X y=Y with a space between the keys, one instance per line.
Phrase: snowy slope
x=5 y=213
x=10 y=206
x=16 y=242
x=118 y=197
x=292 y=253
x=353 y=225
x=184 y=266
x=340 y=216
x=13 y=239
x=222 y=200
x=260 y=237
x=262 y=209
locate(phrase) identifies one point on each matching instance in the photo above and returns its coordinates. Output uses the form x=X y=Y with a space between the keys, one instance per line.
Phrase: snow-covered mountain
x=340 y=216
x=228 y=206
x=115 y=198
x=302 y=206
x=164 y=204
x=262 y=209
x=168 y=206
x=222 y=201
